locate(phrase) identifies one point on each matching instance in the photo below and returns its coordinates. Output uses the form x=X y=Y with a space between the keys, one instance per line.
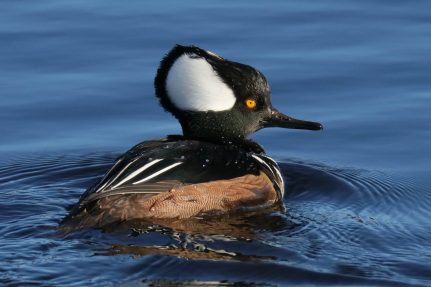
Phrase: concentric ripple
x=339 y=226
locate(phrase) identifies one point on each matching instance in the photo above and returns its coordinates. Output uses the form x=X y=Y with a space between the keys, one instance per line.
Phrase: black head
x=217 y=99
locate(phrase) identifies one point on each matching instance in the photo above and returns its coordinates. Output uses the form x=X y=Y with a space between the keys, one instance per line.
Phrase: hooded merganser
x=212 y=167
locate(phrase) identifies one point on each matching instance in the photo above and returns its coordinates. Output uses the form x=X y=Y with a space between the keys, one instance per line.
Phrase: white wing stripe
x=271 y=169
x=262 y=162
x=158 y=172
x=108 y=182
x=275 y=169
x=136 y=172
x=106 y=175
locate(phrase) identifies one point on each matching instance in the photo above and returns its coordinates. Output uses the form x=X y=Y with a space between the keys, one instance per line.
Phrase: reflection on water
x=339 y=225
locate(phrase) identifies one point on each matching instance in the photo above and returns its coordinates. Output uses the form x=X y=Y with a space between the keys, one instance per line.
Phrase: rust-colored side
x=221 y=196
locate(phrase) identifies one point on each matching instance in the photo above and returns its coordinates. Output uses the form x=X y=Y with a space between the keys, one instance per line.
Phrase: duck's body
x=177 y=178
x=213 y=168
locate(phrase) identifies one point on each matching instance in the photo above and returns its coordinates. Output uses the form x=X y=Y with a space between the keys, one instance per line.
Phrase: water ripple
x=339 y=225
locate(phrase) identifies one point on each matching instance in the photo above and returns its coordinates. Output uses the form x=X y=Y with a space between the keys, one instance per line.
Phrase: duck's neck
x=211 y=129
x=247 y=144
x=217 y=127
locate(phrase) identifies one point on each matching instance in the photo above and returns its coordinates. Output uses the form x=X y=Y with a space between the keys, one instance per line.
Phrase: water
x=76 y=92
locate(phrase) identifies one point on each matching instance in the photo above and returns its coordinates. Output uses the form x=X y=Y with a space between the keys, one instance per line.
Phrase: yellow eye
x=250 y=103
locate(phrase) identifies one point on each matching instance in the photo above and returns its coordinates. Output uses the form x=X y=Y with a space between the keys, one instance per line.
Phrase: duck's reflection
x=198 y=238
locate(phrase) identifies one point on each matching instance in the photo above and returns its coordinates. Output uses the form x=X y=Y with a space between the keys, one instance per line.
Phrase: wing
x=154 y=167
x=177 y=179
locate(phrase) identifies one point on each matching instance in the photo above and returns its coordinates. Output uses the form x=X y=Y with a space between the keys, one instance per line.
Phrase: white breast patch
x=193 y=85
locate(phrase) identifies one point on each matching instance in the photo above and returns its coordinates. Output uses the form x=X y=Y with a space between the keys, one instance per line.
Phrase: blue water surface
x=76 y=91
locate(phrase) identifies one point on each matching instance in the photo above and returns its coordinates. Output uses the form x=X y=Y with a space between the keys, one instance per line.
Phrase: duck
x=212 y=168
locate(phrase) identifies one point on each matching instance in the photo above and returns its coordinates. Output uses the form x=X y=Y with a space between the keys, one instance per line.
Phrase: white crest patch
x=193 y=85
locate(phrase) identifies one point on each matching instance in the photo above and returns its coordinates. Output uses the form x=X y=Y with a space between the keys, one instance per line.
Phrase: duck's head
x=216 y=99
